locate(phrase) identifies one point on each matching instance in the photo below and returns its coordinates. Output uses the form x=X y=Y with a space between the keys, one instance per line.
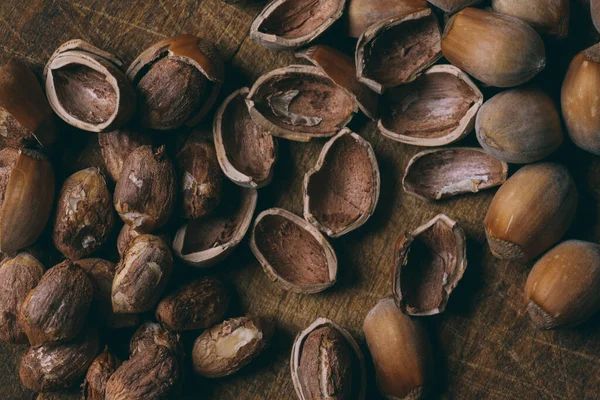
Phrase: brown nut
x=326 y=363
x=126 y=236
x=26 y=119
x=145 y=193
x=364 y=13
x=226 y=348
x=52 y=367
x=94 y=386
x=497 y=49
x=57 y=308
x=116 y=146
x=141 y=275
x=452 y=6
x=563 y=287
x=595 y=12
x=531 y=211
x=26 y=197
x=246 y=152
x=18 y=275
x=206 y=241
x=84 y=214
x=430 y=261
x=341 y=191
x=196 y=305
x=442 y=173
x=300 y=103
x=292 y=252
x=151 y=334
x=401 y=352
x=87 y=89
x=519 y=126
x=289 y=24
x=178 y=81
x=412 y=113
x=546 y=16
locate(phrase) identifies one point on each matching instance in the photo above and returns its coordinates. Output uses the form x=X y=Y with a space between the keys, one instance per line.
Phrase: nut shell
x=452 y=6
x=94 y=386
x=364 y=13
x=116 y=146
x=546 y=16
x=595 y=12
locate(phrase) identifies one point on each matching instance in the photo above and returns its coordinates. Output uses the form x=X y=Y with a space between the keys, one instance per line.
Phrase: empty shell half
x=289 y=24
x=440 y=173
x=430 y=261
x=246 y=152
x=292 y=252
x=327 y=363
x=205 y=241
x=395 y=51
x=87 y=89
x=342 y=190
x=364 y=13
x=436 y=109
x=299 y=103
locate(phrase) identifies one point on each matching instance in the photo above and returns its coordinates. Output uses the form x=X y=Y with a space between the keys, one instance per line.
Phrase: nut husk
x=57 y=308
x=412 y=113
x=497 y=49
x=178 y=80
x=246 y=152
x=141 y=275
x=341 y=191
x=26 y=118
x=145 y=193
x=87 y=89
x=447 y=172
x=519 y=126
x=196 y=305
x=18 y=275
x=94 y=386
x=300 y=103
x=226 y=348
x=26 y=197
x=430 y=261
x=364 y=13
x=531 y=211
x=563 y=287
x=84 y=214
x=395 y=51
x=327 y=363
x=116 y=146
x=452 y=6
x=546 y=16
x=292 y=252
x=401 y=352
x=289 y=24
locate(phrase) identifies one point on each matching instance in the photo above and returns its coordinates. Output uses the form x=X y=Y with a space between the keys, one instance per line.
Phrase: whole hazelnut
x=126 y=235
x=94 y=386
x=364 y=13
x=152 y=334
x=546 y=16
x=116 y=146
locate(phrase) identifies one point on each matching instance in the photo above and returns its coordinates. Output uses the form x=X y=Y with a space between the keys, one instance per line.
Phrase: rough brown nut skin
x=94 y=386
x=196 y=305
x=145 y=193
x=152 y=334
x=56 y=310
x=116 y=146
x=126 y=236
x=84 y=214
x=141 y=275
x=18 y=275
x=225 y=348
x=546 y=16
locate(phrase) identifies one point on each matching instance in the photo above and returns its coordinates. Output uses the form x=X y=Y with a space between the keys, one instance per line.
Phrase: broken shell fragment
x=395 y=51
x=595 y=11
x=546 y=16
x=430 y=261
x=300 y=103
x=87 y=89
x=292 y=252
x=341 y=191
x=327 y=363
x=364 y=13
x=452 y=6
x=441 y=173
x=289 y=24
x=436 y=109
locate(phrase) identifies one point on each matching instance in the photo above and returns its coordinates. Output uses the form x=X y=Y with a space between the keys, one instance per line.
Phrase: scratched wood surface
x=485 y=346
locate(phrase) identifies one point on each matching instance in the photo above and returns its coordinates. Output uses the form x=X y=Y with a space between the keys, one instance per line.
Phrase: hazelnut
x=152 y=334
x=116 y=146
x=87 y=89
x=145 y=193
x=546 y=16
x=18 y=275
x=177 y=80
x=65 y=293
x=84 y=214
x=497 y=49
x=563 y=287
x=26 y=119
x=141 y=275
x=94 y=386
x=531 y=211
x=401 y=352
x=126 y=235
x=452 y=6
x=364 y=13
x=226 y=348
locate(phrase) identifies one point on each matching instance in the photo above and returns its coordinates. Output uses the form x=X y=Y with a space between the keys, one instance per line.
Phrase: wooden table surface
x=485 y=346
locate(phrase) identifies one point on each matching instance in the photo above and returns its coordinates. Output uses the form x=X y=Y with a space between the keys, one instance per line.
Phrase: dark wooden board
x=485 y=346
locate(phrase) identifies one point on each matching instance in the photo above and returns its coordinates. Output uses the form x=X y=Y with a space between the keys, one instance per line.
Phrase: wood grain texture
x=485 y=345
